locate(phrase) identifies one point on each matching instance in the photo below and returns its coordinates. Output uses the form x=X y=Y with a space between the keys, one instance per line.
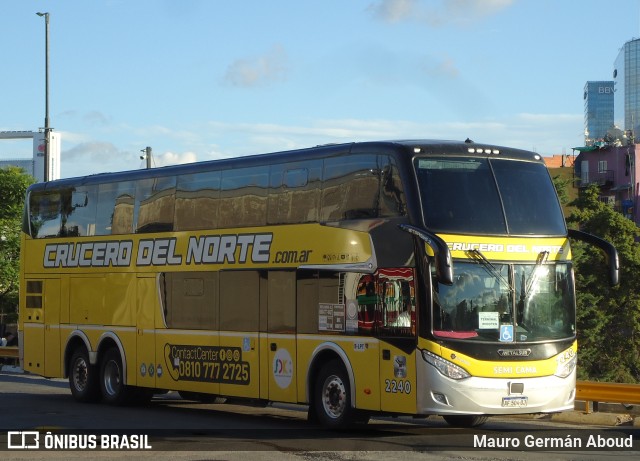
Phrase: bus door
x=145 y=366
x=281 y=337
x=42 y=327
x=396 y=328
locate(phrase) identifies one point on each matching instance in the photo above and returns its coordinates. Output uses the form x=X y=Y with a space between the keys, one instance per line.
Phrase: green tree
x=561 y=184
x=13 y=186
x=608 y=318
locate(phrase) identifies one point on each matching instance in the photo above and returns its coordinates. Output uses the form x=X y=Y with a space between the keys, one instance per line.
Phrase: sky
x=207 y=79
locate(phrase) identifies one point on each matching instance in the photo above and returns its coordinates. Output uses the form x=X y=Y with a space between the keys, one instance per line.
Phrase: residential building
x=615 y=169
x=559 y=161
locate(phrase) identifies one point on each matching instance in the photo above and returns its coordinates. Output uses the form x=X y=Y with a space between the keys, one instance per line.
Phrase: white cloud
x=97 y=157
x=171 y=158
x=96 y=118
x=394 y=10
x=93 y=117
x=262 y=70
x=544 y=133
x=445 y=68
x=445 y=12
x=94 y=151
x=73 y=137
x=92 y=157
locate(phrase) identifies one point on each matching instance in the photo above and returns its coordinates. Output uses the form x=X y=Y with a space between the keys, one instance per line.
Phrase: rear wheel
x=465 y=420
x=332 y=396
x=83 y=377
x=112 y=386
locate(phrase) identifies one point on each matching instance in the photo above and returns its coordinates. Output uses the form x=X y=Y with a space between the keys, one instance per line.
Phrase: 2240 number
x=399 y=386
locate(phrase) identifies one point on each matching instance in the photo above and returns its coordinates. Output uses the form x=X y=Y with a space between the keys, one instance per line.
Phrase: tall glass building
x=598 y=110
x=626 y=77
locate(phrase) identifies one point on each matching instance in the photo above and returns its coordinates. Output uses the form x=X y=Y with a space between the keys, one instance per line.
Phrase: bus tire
x=112 y=386
x=465 y=420
x=83 y=377
x=332 y=396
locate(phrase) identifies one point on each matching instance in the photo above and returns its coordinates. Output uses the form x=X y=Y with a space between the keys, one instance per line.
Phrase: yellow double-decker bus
x=417 y=278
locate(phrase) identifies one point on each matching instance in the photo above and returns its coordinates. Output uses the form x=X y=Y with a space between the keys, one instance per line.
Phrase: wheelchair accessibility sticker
x=506 y=333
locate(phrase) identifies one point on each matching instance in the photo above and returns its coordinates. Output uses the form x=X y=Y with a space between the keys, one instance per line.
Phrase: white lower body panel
x=439 y=395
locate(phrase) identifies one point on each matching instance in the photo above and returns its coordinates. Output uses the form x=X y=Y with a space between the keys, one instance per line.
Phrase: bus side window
x=45 y=214
x=294 y=191
x=190 y=300
x=114 y=214
x=197 y=201
x=315 y=288
x=392 y=201
x=154 y=205
x=243 y=197
x=79 y=212
x=396 y=307
x=239 y=300
x=367 y=300
x=350 y=188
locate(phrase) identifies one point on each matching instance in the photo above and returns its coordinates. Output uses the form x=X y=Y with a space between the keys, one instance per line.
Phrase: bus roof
x=401 y=147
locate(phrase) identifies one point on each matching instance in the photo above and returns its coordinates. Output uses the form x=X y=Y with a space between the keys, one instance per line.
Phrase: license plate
x=517 y=402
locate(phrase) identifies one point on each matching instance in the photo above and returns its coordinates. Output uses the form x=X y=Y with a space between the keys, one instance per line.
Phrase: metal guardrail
x=9 y=352
x=591 y=391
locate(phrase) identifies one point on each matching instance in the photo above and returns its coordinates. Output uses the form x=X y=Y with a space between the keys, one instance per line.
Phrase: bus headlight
x=448 y=369
x=566 y=363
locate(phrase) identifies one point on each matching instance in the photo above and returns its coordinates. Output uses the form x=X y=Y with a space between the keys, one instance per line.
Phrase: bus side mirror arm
x=444 y=264
x=609 y=250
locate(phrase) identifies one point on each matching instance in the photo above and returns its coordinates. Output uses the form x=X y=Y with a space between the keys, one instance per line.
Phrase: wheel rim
x=334 y=397
x=80 y=374
x=112 y=378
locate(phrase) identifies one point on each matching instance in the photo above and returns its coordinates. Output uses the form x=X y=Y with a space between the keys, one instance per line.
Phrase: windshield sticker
x=488 y=320
x=331 y=317
x=506 y=333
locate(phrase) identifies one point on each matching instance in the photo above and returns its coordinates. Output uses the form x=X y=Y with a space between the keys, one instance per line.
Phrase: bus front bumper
x=493 y=396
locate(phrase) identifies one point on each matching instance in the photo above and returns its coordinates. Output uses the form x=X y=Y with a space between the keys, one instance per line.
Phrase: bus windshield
x=505 y=302
x=488 y=196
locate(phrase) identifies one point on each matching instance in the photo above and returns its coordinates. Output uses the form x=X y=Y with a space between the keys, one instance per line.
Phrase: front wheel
x=332 y=396
x=83 y=377
x=465 y=420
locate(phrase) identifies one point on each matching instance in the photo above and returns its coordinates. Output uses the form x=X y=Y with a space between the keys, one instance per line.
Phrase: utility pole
x=147 y=155
x=47 y=128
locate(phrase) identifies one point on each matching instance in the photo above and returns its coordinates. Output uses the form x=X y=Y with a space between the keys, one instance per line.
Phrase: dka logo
x=282 y=368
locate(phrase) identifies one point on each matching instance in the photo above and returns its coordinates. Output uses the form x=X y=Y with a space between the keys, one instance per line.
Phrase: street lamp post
x=47 y=128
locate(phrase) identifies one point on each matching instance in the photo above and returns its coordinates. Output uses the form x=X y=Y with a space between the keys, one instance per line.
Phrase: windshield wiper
x=542 y=258
x=527 y=286
x=481 y=259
